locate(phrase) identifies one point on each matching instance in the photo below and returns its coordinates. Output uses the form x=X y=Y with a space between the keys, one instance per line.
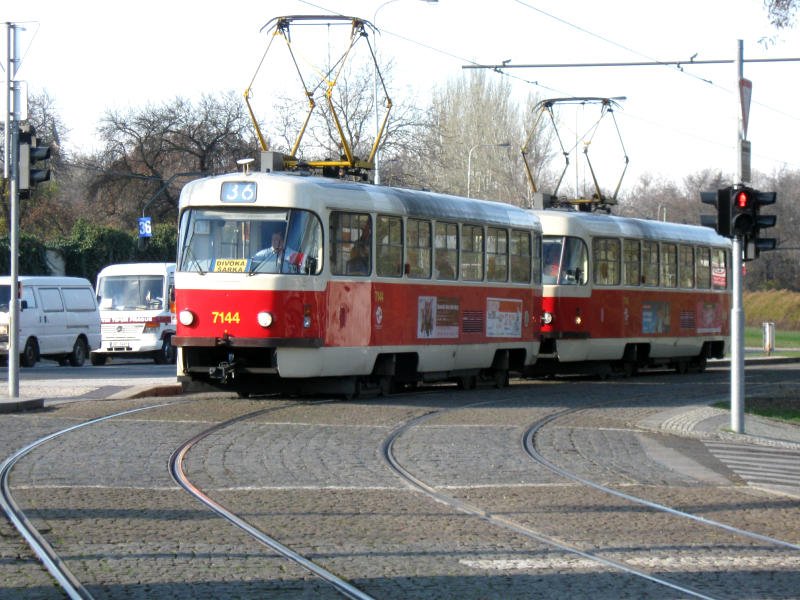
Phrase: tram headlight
x=264 y=319
x=186 y=317
x=547 y=318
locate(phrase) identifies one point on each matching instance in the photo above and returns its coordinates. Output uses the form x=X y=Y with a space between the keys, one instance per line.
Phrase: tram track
x=51 y=560
x=177 y=470
x=57 y=566
x=599 y=556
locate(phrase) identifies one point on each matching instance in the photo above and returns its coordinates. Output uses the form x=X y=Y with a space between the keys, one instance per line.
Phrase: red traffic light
x=742 y=199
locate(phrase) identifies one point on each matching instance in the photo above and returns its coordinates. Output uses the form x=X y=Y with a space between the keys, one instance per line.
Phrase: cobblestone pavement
x=312 y=475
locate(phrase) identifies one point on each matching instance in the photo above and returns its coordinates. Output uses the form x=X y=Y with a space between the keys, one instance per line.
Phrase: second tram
x=621 y=294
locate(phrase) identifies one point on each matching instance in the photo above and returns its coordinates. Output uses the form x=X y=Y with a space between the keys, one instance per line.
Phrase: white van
x=58 y=319
x=137 y=311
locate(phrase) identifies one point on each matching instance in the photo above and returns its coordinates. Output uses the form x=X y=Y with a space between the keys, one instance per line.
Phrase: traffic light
x=30 y=153
x=764 y=221
x=743 y=211
x=721 y=200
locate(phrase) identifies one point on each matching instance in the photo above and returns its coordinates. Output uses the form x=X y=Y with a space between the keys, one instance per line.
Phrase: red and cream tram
x=622 y=294
x=304 y=283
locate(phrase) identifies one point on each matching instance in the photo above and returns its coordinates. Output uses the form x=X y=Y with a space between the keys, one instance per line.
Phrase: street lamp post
x=469 y=160
x=377 y=114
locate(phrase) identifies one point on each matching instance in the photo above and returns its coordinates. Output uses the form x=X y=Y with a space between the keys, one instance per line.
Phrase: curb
x=8 y=406
x=145 y=391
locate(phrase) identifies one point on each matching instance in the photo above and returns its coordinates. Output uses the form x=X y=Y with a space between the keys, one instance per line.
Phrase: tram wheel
x=630 y=368
x=500 y=379
x=385 y=385
x=353 y=392
x=700 y=364
x=467 y=382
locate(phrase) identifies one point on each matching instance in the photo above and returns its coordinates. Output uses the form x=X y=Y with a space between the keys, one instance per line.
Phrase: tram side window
x=703 y=268
x=650 y=263
x=719 y=269
x=303 y=249
x=389 y=246
x=669 y=265
x=521 y=256
x=496 y=254
x=471 y=252
x=606 y=252
x=351 y=246
x=686 y=266
x=446 y=248
x=536 y=257
x=418 y=245
x=575 y=264
x=632 y=257
x=551 y=259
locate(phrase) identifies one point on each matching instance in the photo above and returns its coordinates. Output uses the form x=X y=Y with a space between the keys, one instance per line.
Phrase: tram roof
x=558 y=222
x=309 y=192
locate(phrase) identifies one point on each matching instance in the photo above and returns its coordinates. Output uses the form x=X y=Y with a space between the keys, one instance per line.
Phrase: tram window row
x=634 y=262
x=429 y=249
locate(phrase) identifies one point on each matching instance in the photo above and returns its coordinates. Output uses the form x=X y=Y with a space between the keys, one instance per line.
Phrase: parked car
x=58 y=319
x=137 y=312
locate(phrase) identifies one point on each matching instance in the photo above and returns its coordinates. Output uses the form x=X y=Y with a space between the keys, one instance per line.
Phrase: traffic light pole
x=12 y=168
x=737 y=341
x=737 y=311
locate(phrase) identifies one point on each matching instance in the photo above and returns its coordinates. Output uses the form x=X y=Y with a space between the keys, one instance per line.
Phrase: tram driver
x=268 y=259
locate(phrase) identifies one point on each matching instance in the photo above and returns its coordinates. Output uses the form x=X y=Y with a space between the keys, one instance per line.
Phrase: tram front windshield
x=249 y=241
x=565 y=260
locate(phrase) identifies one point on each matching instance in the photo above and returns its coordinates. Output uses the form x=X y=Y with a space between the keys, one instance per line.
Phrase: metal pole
x=376 y=166
x=469 y=168
x=12 y=159
x=7 y=132
x=469 y=160
x=737 y=342
x=737 y=311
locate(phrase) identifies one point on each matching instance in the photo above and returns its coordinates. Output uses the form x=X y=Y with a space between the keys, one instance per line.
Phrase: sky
x=92 y=56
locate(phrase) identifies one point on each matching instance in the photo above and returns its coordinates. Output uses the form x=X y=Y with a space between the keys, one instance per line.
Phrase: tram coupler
x=224 y=372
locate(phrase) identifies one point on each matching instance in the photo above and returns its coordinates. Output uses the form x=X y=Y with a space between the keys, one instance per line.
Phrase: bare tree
x=473 y=116
x=781 y=12
x=43 y=212
x=146 y=150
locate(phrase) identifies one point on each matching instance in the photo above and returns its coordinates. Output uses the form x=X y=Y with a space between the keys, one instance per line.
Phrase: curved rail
x=465 y=507
x=179 y=475
x=529 y=445
x=40 y=546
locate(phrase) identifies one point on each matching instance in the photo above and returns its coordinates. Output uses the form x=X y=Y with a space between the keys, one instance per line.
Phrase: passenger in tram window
x=444 y=270
x=358 y=264
x=268 y=259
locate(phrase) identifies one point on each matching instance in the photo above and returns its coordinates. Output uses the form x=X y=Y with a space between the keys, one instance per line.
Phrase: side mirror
x=23 y=304
x=311 y=265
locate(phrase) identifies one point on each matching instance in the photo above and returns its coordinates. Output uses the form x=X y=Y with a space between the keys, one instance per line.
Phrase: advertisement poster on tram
x=503 y=317
x=437 y=317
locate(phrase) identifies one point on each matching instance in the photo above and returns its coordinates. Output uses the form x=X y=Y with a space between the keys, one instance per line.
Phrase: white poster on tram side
x=437 y=317
x=503 y=317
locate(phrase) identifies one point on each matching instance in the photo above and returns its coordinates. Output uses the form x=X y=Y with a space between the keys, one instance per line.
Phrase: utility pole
x=11 y=172
x=737 y=310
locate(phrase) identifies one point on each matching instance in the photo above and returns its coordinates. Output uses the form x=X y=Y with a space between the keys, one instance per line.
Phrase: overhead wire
x=650 y=58
x=590 y=33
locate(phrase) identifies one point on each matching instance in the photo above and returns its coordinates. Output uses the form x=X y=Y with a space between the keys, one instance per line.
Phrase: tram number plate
x=220 y=316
